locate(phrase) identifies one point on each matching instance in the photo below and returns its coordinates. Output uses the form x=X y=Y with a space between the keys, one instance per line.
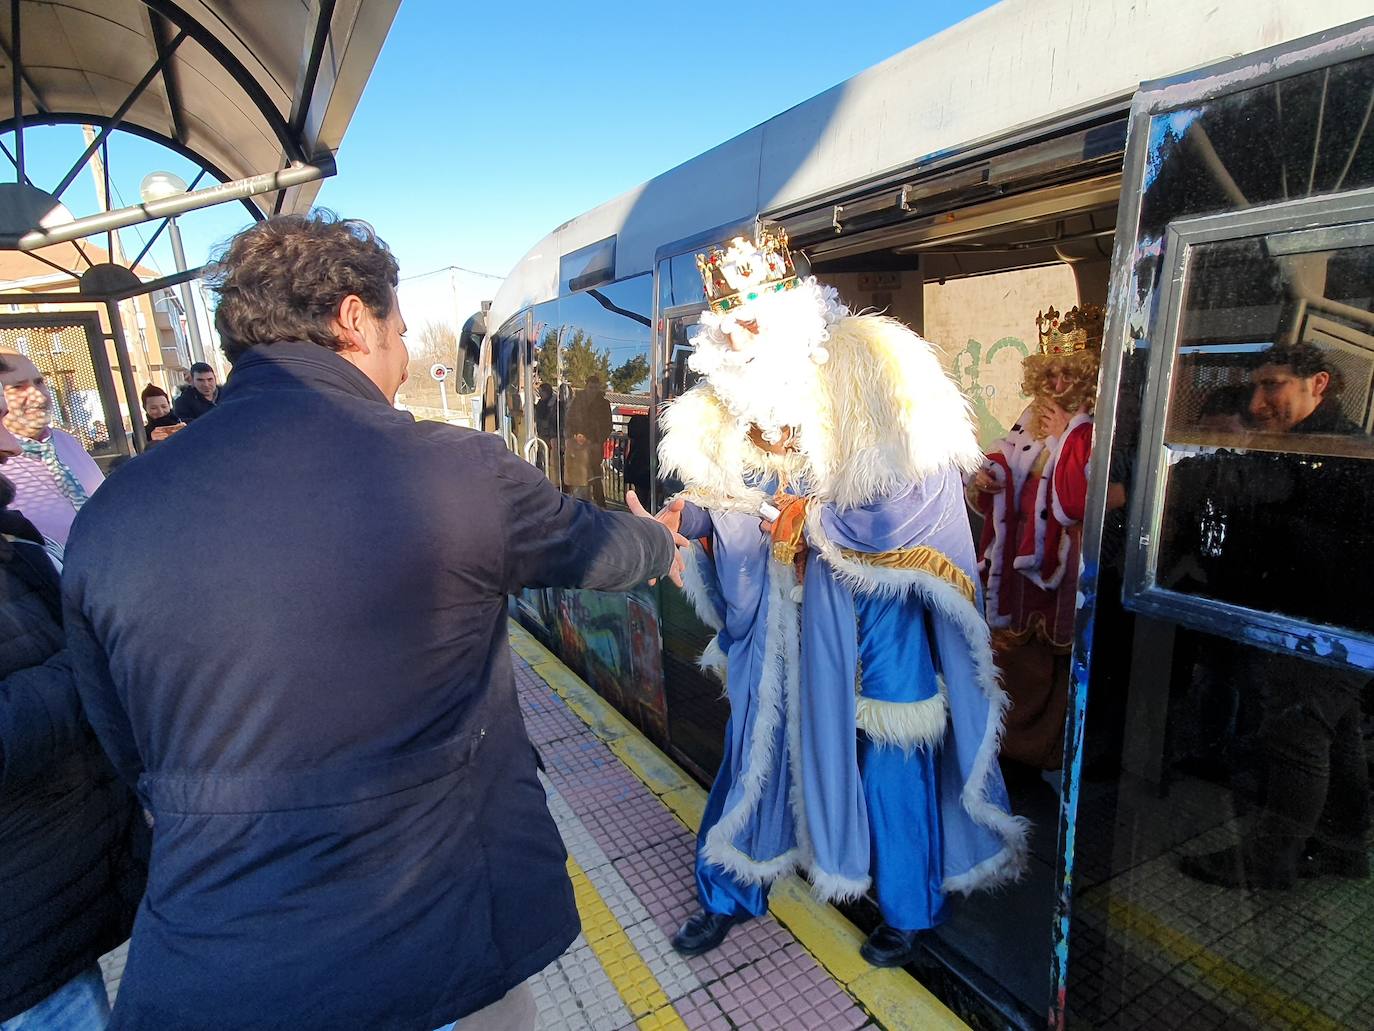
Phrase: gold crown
x=744 y=272
x=1079 y=329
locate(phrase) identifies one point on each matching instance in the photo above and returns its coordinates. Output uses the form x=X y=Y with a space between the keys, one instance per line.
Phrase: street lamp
x=158 y=186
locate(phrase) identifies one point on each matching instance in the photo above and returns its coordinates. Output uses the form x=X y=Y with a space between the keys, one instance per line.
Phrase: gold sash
x=920 y=559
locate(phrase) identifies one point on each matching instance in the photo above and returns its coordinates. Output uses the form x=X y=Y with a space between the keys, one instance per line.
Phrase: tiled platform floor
x=637 y=856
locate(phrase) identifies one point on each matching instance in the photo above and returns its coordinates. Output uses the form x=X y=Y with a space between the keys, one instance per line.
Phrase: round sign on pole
x=439 y=371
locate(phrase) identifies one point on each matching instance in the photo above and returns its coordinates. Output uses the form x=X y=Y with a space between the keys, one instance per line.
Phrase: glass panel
x=586 y=266
x=508 y=367
x=602 y=370
x=1297 y=137
x=697 y=711
x=62 y=353
x=1220 y=846
x=548 y=413
x=1271 y=466
x=682 y=281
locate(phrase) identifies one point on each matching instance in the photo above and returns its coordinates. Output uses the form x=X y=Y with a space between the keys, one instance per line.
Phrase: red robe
x=1032 y=531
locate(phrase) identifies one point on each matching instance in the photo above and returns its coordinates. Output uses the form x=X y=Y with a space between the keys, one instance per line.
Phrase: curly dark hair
x=284 y=278
x=1306 y=360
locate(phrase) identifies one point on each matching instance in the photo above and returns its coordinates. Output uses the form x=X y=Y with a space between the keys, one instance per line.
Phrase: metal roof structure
x=258 y=94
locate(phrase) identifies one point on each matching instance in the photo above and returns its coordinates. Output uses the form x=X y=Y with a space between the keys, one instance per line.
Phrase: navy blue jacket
x=317 y=703
x=69 y=830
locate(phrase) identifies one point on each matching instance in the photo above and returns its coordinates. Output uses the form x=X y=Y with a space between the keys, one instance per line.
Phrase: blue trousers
x=901 y=789
x=79 y=1005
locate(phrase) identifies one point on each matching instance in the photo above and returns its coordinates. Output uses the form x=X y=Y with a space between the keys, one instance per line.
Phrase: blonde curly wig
x=1038 y=372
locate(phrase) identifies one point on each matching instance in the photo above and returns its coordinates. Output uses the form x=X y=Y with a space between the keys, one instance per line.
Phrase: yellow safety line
x=1261 y=999
x=640 y=990
x=893 y=997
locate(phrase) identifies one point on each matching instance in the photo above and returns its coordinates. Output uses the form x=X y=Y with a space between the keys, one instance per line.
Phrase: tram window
x=1269 y=491
x=602 y=369
x=681 y=378
x=547 y=413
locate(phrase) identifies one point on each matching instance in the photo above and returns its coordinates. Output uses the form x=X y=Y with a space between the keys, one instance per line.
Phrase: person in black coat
x=200 y=396
x=70 y=832
x=350 y=832
x=159 y=421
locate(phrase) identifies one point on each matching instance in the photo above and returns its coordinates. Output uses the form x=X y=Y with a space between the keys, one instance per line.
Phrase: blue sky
x=486 y=125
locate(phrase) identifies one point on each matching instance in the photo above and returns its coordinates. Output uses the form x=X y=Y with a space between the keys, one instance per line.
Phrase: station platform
x=628 y=816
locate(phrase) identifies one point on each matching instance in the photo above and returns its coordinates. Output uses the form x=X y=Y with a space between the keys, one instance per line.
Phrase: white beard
x=774 y=381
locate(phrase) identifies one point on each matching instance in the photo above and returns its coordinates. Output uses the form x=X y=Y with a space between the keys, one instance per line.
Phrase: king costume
x=865 y=709
x=1033 y=529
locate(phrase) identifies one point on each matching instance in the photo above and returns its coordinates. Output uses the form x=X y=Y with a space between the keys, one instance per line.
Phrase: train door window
x=1217 y=813
x=546 y=451
x=604 y=370
x=503 y=395
x=1261 y=413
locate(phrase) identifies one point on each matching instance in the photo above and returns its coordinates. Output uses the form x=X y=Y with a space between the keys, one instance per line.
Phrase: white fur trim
x=890 y=414
x=713 y=660
x=1004 y=867
x=906 y=725
x=992 y=601
x=830 y=887
x=694 y=586
x=709 y=450
x=1058 y=508
x=951 y=603
x=781 y=630
x=1047 y=500
x=746 y=869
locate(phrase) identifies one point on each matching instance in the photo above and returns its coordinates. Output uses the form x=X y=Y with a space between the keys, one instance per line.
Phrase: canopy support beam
x=113 y=122
x=296 y=175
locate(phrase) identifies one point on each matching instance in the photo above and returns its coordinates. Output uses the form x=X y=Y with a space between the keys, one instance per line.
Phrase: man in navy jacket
x=320 y=714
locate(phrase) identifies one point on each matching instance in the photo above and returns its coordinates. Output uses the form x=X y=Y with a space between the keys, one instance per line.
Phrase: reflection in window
x=1268 y=494
x=592 y=377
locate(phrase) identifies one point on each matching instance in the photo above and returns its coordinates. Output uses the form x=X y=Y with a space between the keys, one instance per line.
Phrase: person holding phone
x=159 y=419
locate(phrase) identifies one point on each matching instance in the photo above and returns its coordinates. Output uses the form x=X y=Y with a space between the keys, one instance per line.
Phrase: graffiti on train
x=613 y=642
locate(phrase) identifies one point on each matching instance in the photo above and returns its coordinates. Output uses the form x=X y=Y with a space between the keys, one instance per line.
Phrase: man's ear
x=1320 y=382
x=348 y=324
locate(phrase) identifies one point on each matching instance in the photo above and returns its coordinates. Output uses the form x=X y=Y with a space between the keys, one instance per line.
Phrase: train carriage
x=1207 y=174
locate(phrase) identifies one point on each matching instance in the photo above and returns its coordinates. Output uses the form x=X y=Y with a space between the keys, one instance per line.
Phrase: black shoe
x=702 y=932
x=889 y=947
x=1228 y=869
x=1339 y=862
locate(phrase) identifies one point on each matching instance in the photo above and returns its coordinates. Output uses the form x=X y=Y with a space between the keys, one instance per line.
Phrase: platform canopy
x=258 y=93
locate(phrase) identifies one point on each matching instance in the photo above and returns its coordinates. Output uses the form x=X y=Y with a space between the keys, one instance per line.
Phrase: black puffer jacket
x=70 y=882
x=191 y=404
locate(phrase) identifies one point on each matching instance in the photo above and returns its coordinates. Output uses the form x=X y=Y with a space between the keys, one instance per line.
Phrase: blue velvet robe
x=921 y=810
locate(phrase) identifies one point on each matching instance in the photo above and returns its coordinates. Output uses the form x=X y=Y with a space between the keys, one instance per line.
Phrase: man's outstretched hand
x=671 y=517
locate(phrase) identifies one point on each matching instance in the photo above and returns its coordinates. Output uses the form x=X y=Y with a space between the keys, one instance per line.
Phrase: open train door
x=1225 y=636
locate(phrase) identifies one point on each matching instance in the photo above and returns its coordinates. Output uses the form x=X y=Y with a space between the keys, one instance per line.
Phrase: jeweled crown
x=1077 y=330
x=744 y=271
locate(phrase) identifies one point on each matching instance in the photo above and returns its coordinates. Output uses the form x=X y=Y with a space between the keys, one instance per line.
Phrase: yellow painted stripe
x=1256 y=995
x=893 y=997
x=639 y=989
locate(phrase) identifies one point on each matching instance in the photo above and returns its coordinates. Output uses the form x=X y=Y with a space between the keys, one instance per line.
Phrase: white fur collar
x=889 y=416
